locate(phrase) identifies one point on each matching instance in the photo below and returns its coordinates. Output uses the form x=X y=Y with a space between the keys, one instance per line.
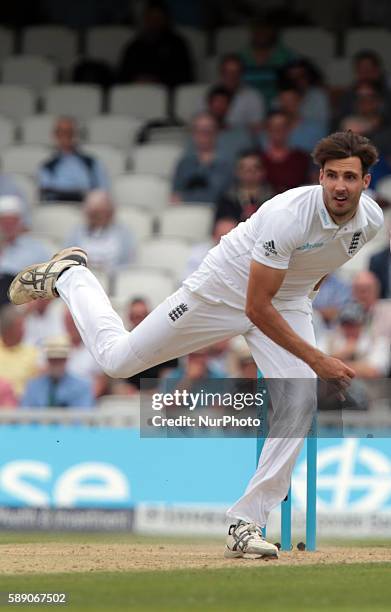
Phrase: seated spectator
x=9 y=188
x=362 y=125
x=222 y=226
x=354 y=345
x=157 y=54
x=138 y=310
x=377 y=313
x=69 y=174
x=201 y=174
x=306 y=78
x=380 y=266
x=8 y=398
x=285 y=166
x=193 y=368
x=303 y=133
x=80 y=361
x=231 y=141
x=334 y=294
x=250 y=190
x=108 y=243
x=247 y=107
x=18 y=361
x=43 y=320
x=56 y=388
x=17 y=248
x=264 y=58
x=367 y=68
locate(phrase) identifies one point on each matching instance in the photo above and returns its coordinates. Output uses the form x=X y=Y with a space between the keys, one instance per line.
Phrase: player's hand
x=334 y=370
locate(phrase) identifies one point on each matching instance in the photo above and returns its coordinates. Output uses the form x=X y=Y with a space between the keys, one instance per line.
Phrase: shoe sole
x=72 y=251
x=234 y=554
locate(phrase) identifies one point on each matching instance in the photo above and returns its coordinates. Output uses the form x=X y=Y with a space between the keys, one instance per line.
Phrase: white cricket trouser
x=158 y=338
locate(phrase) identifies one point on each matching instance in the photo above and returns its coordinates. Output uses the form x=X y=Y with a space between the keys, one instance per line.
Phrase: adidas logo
x=178 y=311
x=270 y=248
x=354 y=243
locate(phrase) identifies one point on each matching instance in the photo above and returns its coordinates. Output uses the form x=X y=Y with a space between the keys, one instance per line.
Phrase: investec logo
x=307 y=246
x=270 y=248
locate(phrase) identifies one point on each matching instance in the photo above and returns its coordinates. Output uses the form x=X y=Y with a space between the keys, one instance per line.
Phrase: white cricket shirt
x=293 y=231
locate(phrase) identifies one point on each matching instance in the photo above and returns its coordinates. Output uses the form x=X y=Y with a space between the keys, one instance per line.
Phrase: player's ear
x=321 y=175
x=366 y=180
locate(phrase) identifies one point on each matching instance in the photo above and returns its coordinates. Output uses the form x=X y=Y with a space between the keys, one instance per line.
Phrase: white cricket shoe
x=38 y=280
x=246 y=540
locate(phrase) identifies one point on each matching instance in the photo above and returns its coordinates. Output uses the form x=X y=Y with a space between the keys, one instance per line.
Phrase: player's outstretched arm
x=264 y=282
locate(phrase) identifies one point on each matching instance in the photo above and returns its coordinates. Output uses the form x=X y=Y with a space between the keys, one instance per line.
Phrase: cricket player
x=257 y=282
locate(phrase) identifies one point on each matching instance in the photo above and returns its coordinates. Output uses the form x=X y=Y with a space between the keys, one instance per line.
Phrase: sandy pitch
x=58 y=557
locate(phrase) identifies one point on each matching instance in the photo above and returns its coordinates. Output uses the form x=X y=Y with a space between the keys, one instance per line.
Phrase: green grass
x=364 y=588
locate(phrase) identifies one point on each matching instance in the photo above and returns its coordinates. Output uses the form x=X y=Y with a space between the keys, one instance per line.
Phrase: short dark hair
x=341 y=145
x=218 y=90
x=368 y=54
x=231 y=57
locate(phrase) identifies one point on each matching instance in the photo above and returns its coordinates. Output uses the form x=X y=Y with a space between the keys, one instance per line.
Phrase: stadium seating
x=16 y=101
x=113 y=130
x=23 y=158
x=56 y=220
x=79 y=101
x=146 y=102
x=149 y=192
x=196 y=41
x=154 y=285
x=189 y=100
x=158 y=159
x=188 y=221
x=27 y=186
x=338 y=72
x=37 y=129
x=315 y=43
x=58 y=43
x=30 y=71
x=137 y=220
x=377 y=39
x=6 y=43
x=7 y=132
x=113 y=159
x=106 y=43
x=231 y=39
x=168 y=253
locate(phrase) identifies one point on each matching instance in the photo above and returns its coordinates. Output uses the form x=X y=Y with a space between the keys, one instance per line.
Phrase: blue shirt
x=71 y=174
x=24 y=251
x=198 y=182
x=68 y=392
x=107 y=248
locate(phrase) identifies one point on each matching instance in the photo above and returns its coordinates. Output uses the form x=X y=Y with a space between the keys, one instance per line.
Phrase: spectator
x=56 y=388
x=352 y=342
x=334 y=294
x=108 y=243
x=70 y=174
x=362 y=125
x=157 y=54
x=368 y=68
x=377 y=313
x=306 y=78
x=265 y=57
x=231 y=141
x=17 y=248
x=222 y=226
x=250 y=190
x=8 y=398
x=195 y=367
x=304 y=133
x=138 y=310
x=9 y=188
x=44 y=320
x=201 y=175
x=285 y=166
x=18 y=361
x=380 y=266
x=247 y=107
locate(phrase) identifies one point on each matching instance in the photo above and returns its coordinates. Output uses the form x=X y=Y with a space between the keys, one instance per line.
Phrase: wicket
x=286 y=504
